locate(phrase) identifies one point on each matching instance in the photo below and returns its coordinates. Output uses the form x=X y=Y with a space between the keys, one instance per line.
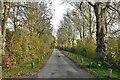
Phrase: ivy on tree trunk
x=101 y=51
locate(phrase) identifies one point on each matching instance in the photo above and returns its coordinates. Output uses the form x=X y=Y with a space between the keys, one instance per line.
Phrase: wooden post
x=33 y=64
x=91 y=63
x=42 y=57
x=77 y=57
x=82 y=60
x=38 y=60
x=109 y=73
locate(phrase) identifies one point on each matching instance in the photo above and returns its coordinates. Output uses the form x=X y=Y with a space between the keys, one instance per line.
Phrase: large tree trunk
x=100 y=33
x=4 y=27
x=4 y=23
x=1 y=39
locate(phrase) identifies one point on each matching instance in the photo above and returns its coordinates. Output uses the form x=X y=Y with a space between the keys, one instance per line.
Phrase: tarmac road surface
x=59 y=66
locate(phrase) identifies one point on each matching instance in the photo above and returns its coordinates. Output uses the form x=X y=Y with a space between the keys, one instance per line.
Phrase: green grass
x=98 y=71
x=0 y=71
x=25 y=68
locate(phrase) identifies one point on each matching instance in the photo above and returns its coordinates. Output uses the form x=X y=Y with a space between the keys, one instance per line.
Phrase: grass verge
x=85 y=63
x=0 y=72
x=25 y=68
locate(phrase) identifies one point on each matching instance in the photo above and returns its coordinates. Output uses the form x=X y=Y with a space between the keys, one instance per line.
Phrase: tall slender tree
x=6 y=7
x=1 y=39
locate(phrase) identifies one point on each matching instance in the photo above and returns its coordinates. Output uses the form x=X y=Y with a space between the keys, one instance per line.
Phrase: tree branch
x=111 y=7
x=80 y=5
x=91 y=4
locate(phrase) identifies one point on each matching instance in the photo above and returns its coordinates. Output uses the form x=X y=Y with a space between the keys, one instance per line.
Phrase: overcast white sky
x=59 y=10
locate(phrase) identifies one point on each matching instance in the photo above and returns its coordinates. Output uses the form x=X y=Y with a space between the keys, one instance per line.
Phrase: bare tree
x=4 y=22
x=100 y=11
x=1 y=32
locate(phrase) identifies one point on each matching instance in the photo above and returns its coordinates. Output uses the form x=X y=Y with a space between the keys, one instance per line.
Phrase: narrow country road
x=59 y=66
